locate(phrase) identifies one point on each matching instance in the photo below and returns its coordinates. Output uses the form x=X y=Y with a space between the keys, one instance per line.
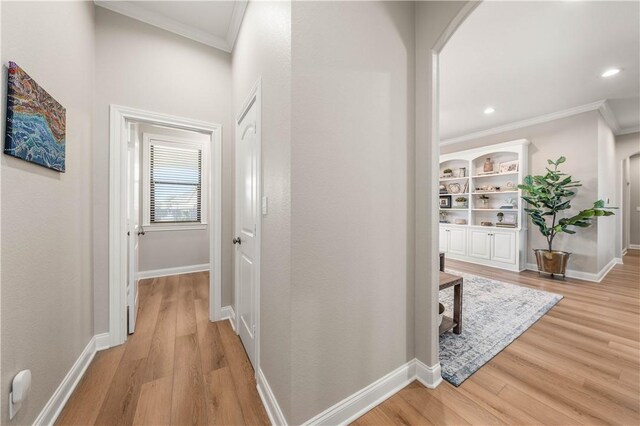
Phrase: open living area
x=249 y=212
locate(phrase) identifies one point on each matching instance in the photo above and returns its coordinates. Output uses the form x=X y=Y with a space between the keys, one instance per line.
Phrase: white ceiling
x=215 y=23
x=530 y=59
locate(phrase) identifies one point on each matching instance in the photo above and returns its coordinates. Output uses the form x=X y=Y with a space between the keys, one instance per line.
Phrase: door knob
x=140 y=233
x=237 y=240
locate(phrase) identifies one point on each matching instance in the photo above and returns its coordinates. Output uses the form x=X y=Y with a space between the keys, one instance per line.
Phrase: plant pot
x=552 y=262
x=440 y=313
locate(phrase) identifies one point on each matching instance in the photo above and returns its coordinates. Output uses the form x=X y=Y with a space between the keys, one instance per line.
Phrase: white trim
x=229 y=314
x=609 y=117
x=118 y=141
x=61 y=395
x=165 y=272
x=627 y=130
x=139 y=13
x=276 y=417
x=239 y=7
x=364 y=400
x=255 y=97
x=102 y=341
x=431 y=377
x=585 y=276
x=634 y=246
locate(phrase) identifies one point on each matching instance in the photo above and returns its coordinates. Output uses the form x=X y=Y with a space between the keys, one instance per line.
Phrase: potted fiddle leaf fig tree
x=549 y=199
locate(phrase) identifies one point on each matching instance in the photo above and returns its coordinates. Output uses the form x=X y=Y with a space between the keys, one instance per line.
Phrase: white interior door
x=134 y=226
x=247 y=216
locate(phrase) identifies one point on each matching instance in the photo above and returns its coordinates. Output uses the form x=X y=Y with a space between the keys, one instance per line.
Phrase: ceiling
x=215 y=23
x=535 y=61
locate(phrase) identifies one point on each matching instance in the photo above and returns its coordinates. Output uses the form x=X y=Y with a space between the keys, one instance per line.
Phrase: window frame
x=174 y=142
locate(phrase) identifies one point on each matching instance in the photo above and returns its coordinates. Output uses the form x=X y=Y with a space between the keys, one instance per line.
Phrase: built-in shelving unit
x=468 y=228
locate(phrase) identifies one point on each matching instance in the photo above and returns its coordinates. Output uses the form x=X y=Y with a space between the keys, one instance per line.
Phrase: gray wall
x=141 y=66
x=47 y=297
x=263 y=50
x=607 y=191
x=625 y=146
x=634 y=214
x=352 y=123
x=175 y=248
x=577 y=138
x=431 y=20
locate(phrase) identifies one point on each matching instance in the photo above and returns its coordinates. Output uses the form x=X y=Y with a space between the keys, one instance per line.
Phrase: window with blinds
x=175 y=184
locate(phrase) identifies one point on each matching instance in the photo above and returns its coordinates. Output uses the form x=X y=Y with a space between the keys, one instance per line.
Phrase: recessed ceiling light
x=611 y=72
x=489 y=110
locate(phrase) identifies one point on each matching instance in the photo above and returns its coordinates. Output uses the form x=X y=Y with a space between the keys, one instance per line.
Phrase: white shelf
x=496 y=210
x=442 y=179
x=494 y=192
x=495 y=174
x=456 y=208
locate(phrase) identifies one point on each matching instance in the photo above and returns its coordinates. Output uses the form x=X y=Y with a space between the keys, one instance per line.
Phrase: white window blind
x=175 y=184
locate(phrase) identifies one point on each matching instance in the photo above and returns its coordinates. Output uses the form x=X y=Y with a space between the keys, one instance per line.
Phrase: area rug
x=494 y=314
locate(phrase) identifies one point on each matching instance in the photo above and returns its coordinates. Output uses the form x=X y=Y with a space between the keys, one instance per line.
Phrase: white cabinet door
x=443 y=239
x=503 y=247
x=479 y=244
x=457 y=241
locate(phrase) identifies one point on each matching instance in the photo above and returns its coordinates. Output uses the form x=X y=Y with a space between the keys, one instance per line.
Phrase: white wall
x=351 y=185
x=263 y=50
x=577 y=138
x=141 y=66
x=47 y=297
x=175 y=248
x=634 y=214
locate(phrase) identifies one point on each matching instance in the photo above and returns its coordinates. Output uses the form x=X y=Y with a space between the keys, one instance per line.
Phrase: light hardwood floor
x=579 y=364
x=177 y=368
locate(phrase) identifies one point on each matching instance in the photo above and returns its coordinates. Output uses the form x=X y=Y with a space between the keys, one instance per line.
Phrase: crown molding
x=628 y=130
x=609 y=117
x=239 y=6
x=134 y=11
x=593 y=106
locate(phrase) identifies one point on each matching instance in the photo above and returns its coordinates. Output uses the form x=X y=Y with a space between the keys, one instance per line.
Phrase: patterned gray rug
x=494 y=314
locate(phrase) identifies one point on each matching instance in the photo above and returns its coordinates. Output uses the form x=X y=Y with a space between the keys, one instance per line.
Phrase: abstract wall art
x=35 y=122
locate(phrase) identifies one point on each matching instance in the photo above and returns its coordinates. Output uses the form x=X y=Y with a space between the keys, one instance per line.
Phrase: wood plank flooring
x=177 y=368
x=579 y=364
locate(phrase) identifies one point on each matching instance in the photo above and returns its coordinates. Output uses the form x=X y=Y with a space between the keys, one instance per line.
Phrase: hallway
x=177 y=368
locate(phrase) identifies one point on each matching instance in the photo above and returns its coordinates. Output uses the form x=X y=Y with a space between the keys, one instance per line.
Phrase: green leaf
x=561 y=160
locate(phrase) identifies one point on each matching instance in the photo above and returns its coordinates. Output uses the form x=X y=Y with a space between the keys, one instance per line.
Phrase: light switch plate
x=265 y=202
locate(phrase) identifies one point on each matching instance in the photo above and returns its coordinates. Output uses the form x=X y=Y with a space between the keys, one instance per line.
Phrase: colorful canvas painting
x=35 y=122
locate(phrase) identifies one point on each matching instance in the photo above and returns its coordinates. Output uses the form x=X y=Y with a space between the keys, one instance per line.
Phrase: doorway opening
x=165 y=208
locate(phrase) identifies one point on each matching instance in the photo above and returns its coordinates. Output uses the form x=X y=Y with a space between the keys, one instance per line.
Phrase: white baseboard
x=155 y=273
x=269 y=401
x=56 y=403
x=229 y=313
x=354 y=406
x=103 y=341
x=634 y=247
x=585 y=276
x=428 y=376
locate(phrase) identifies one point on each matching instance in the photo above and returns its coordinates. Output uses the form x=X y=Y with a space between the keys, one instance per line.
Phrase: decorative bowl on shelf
x=460 y=221
x=486 y=223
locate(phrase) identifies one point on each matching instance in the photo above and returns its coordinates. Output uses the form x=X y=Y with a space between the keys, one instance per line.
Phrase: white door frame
x=118 y=141
x=255 y=97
